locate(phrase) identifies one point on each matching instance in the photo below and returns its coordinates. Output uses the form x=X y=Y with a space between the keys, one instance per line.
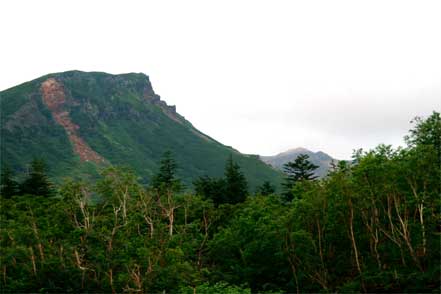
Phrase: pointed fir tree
x=166 y=175
x=236 y=187
x=301 y=169
x=8 y=185
x=210 y=188
x=37 y=182
x=266 y=189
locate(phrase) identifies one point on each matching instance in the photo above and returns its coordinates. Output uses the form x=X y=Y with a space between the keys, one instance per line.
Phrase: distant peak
x=298 y=149
x=295 y=150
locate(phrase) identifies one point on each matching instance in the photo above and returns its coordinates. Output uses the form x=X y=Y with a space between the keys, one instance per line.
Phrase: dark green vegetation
x=9 y=186
x=35 y=182
x=373 y=226
x=299 y=170
x=231 y=189
x=121 y=119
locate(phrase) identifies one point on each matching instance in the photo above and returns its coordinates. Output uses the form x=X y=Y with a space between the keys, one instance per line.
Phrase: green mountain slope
x=81 y=121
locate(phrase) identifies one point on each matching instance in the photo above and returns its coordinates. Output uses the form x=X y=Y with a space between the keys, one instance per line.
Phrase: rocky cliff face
x=81 y=121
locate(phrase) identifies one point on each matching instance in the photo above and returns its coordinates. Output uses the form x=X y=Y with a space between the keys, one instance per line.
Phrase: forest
x=372 y=225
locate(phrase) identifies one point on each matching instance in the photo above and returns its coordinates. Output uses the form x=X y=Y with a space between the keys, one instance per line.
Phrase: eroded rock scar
x=55 y=99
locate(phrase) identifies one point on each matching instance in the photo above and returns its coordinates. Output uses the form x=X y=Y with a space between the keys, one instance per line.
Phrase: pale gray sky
x=261 y=76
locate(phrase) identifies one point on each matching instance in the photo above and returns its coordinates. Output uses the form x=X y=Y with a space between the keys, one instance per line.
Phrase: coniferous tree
x=166 y=176
x=368 y=227
x=37 y=182
x=210 y=188
x=266 y=189
x=9 y=187
x=301 y=169
x=236 y=187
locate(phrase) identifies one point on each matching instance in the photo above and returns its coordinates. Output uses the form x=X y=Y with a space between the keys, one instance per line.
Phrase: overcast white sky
x=261 y=76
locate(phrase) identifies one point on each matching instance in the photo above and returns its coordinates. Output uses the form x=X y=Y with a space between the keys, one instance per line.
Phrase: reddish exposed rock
x=55 y=100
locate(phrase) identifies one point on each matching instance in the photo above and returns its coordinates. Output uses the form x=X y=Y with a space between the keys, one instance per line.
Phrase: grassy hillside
x=120 y=118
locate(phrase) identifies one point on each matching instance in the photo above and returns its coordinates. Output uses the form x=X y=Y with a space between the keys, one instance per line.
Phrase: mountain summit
x=321 y=159
x=80 y=121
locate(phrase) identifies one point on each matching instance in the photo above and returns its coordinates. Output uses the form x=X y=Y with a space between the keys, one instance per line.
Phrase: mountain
x=321 y=159
x=80 y=122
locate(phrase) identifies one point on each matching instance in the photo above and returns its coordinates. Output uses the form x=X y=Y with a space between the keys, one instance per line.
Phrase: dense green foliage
x=166 y=176
x=210 y=188
x=266 y=189
x=37 y=181
x=236 y=186
x=299 y=170
x=231 y=189
x=373 y=226
x=8 y=184
x=123 y=120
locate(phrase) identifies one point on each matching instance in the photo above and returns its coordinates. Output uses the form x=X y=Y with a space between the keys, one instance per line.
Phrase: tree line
x=372 y=225
x=36 y=181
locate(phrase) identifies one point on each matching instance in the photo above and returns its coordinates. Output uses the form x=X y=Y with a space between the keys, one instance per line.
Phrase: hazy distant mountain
x=319 y=158
x=81 y=121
